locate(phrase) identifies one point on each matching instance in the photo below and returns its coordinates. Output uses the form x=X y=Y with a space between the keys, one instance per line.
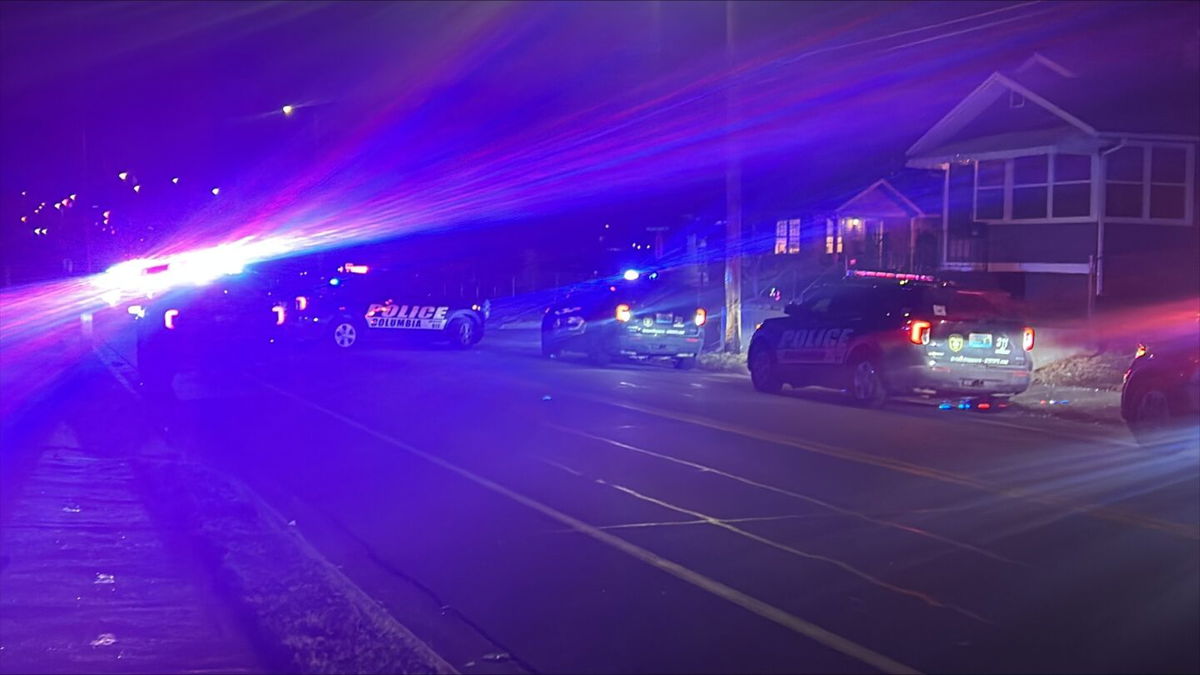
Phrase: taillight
x=623 y=312
x=280 y=314
x=1027 y=339
x=169 y=318
x=301 y=303
x=918 y=331
x=701 y=316
x=1142 y=350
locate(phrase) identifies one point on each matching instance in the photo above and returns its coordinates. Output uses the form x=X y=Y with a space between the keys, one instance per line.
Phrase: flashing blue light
x=631 y=275
x=945 y=405
x=654 y=275
x=334 y=281
x=965 y=405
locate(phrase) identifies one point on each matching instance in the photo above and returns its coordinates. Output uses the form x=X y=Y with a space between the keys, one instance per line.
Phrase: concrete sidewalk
x=90 y=580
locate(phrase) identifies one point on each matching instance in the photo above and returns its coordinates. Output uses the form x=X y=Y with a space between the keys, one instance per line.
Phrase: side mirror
x=793 y=309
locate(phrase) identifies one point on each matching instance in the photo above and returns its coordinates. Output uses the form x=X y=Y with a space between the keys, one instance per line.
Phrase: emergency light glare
x=280 y=314
x=631 y=275
x=623 y=313
x=334 y=281
x=169 y=318
x=301 y=303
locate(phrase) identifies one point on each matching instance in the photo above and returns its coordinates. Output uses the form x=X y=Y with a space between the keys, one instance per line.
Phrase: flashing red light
x=169 y=318
x=918 y=331
x=623 y=313
x=701 y=316
x=1027 y=339
x=984 y=406
x=873 y=274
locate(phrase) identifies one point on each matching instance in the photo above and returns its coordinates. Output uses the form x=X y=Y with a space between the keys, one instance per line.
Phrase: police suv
x=632 y=318
x=875 y=334
x=363 y=304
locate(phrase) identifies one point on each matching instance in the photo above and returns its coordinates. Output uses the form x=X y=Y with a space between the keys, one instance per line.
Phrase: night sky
x=430 y=96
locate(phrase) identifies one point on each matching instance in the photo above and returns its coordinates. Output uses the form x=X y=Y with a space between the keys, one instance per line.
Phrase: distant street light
x=123 y=175
x=216 y=191
x=137 y=188
x=175 y=180
x=288 y=110
x=74 y=197
x=631 y=275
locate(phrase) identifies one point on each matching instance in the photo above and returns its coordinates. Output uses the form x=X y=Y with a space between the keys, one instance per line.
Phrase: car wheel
x=345 y=335
x=462 y=333
x=598 y=354
x=685 y=363
x=763 y=374
x=550 y=349
x=1151 y=414
x=866 y=383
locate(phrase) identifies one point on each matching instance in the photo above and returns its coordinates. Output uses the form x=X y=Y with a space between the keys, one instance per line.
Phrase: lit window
x=787 y=236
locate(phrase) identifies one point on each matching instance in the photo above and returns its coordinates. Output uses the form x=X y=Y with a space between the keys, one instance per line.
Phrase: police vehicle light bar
x=872 y=274
x=351 y=268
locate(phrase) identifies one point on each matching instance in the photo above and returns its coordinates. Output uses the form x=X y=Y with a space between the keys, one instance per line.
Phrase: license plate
x=979 y=340
x=664 y=318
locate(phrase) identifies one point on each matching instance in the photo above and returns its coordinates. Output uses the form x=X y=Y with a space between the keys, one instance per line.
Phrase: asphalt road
x=641 y=519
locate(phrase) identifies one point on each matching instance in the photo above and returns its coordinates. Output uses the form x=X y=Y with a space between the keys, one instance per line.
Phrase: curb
x=302 y=613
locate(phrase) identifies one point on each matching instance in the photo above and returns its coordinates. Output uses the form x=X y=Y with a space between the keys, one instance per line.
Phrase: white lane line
x=669 y=523
x=1068 y=505
x=795 y=495
x=734 y=596
x=844 y=566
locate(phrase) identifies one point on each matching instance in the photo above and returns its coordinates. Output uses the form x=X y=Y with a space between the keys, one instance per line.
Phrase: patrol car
x=624 y=319
x=1161 y=389
x=364 y=304
x=226 y=322
x=875 y=334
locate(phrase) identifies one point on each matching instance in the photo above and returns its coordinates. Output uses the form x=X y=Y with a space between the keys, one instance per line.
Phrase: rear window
x=961 y=305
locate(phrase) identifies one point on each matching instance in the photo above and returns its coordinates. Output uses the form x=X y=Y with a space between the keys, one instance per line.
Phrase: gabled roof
x=916 y=192
x=890 y=193
x=1135 y=100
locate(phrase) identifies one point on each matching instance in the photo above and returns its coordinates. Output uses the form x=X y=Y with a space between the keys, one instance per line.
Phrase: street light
x=288 y=110
x=137 y=188
x=123 y=175
x=216 y=191
x=175 y=180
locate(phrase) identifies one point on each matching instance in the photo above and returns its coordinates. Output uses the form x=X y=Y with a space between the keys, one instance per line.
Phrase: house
x=1061 y=187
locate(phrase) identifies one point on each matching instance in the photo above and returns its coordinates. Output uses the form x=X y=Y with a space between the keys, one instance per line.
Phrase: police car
x=1161 y=389
x=364 y=304
x=227 y=322
x=875 y=334
x=624 y=319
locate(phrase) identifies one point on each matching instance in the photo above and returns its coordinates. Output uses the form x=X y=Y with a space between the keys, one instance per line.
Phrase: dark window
x=991 y=173
x=1167 y=165
x=1029 y=202
x=1125 y=164
x=1166 y=201
x=1125 y=200
x=1072 y=167
x=989 y=204
x=1073 y=199
x=1030 y=170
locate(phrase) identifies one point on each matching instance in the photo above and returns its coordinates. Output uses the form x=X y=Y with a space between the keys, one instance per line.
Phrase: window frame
x=1006 y=217
x=1147 y=183
x=787 y=236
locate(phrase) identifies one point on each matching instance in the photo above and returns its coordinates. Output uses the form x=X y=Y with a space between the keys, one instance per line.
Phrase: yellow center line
x=1181 y=530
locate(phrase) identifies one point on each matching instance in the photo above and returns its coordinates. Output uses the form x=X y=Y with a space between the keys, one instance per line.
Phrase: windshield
x=752 y=336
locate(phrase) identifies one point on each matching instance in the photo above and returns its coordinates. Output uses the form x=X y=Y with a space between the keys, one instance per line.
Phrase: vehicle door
x=801 y=351
x=565 y=321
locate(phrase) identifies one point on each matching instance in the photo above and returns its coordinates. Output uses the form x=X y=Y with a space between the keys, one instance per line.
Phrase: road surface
x=640 y=519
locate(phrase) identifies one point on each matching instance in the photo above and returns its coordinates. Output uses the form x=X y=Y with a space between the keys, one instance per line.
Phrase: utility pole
x=733 y=199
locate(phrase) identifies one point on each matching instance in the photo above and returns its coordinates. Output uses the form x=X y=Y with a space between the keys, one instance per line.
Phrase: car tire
x=685 y=363
x=462 y=332
x=1150 y=415
x=598 y=354
x=866 y=382
x=550 y=349
x=763 y=372
x=344 y=334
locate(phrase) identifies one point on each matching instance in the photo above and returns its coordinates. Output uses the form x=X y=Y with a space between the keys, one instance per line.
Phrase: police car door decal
x=813 y=345
x=421 y=317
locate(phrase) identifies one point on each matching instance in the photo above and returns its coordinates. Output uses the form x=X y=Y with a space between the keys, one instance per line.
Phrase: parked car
x=1161 y=392
x=875 y=334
